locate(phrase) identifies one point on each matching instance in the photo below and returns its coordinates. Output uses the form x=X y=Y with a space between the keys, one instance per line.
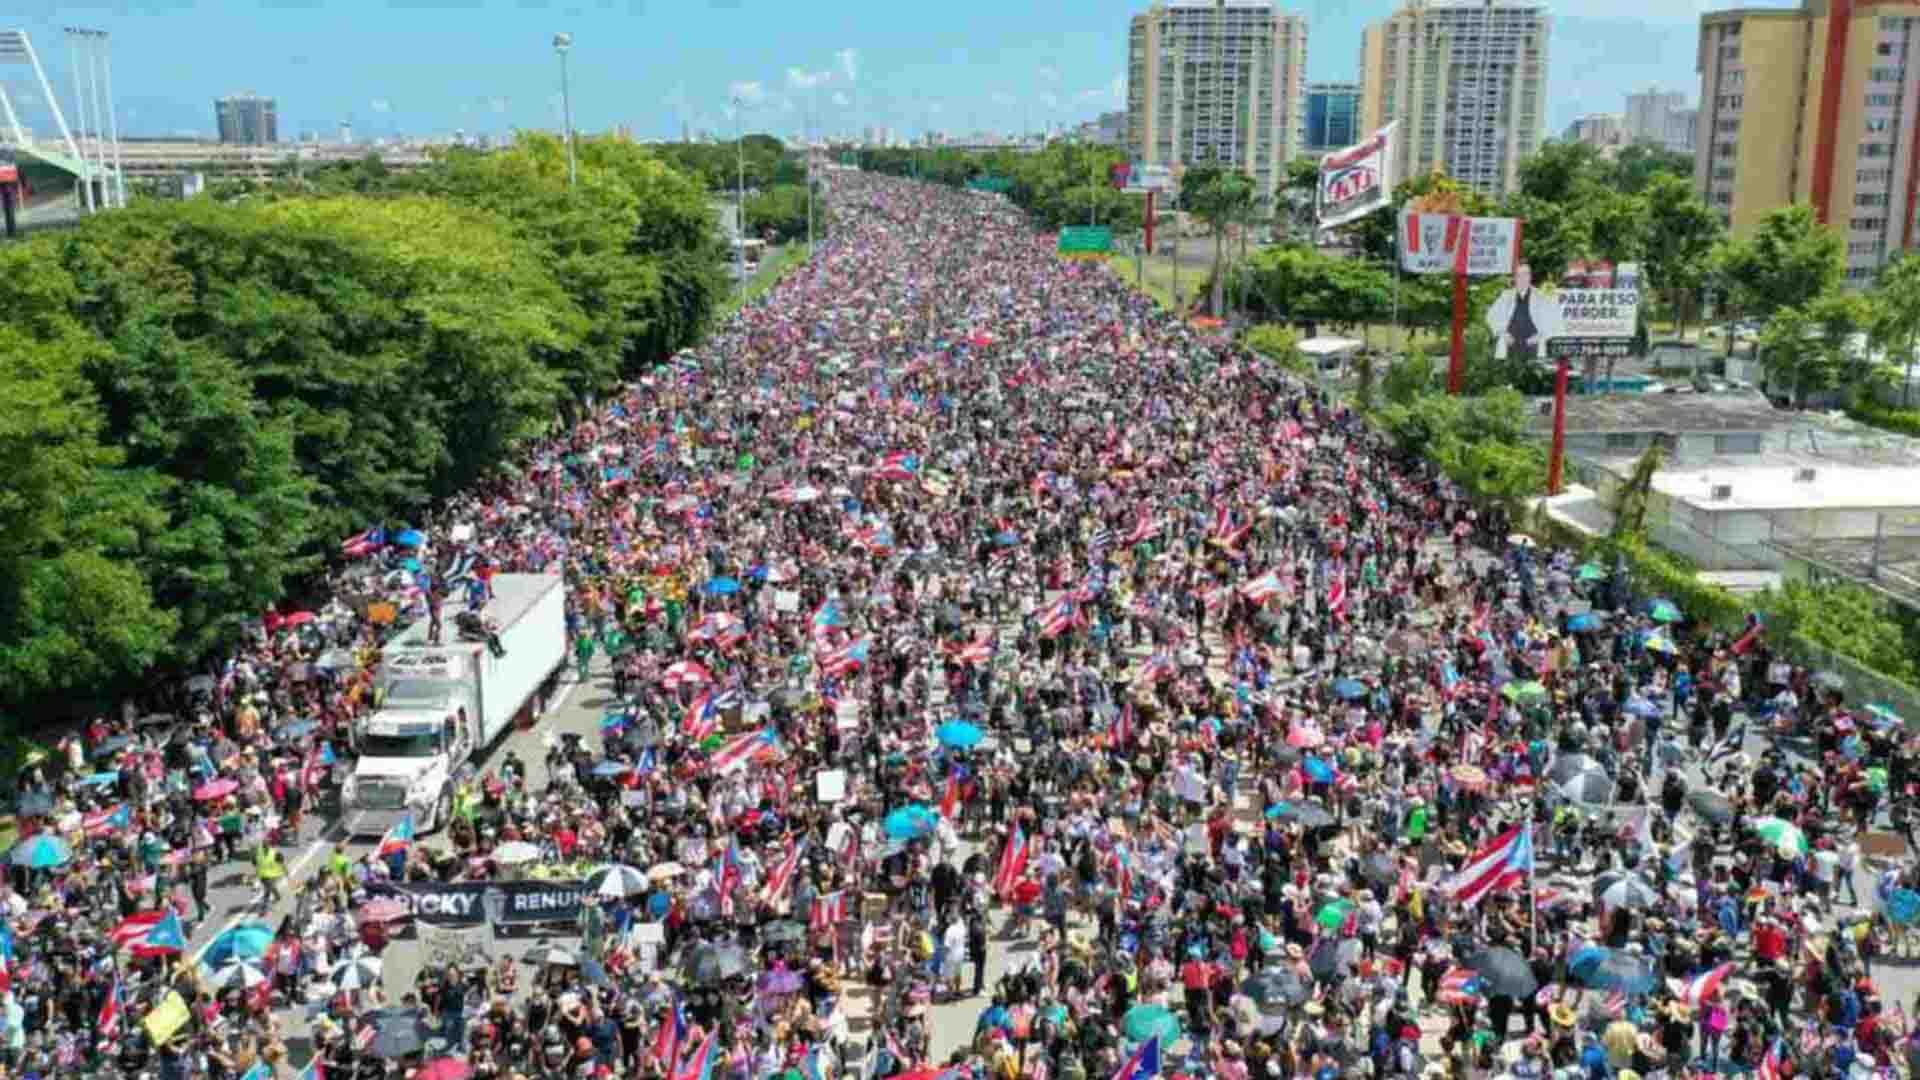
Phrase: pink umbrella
x=216 y=789
x=298 y=618
x=1305 y=738
x=444 y=1069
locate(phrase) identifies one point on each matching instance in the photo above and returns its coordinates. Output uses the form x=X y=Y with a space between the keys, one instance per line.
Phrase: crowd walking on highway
x=977 y=636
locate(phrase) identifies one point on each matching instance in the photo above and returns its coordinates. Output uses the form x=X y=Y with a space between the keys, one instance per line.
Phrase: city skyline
x=996 y=66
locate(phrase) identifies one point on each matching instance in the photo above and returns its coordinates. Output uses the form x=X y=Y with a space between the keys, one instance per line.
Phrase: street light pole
x=561 y=43
x=80 y=103
x=739 y=197
x=113 y=121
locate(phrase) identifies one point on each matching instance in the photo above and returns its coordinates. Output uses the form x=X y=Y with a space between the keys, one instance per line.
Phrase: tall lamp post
x=739 y=196
x=561 y=43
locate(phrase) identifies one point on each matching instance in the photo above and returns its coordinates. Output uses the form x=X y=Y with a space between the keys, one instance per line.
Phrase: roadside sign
x=995 y=185
x=1086 y=241
x=1138 y=178
x=1430 y=244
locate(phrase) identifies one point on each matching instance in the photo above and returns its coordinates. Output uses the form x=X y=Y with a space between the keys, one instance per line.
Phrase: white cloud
x=1004 y=99
x=1117 y=89
x=849 y=64
x=381 y=105
x=802 y=79
x=841 y=98
x=747 y=92
x=1049 y=73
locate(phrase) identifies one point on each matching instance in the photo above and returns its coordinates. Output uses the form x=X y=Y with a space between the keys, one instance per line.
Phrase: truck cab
x=411 y=746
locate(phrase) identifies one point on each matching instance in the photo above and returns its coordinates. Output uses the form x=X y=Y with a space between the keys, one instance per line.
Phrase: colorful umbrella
x=911 y=822
x=1333 y=914
x=1785 y=836
x=1524 y=691
x=1664 y=611
x=216 y=789
x=41 y=851
x=1144 y=1022
x=959 y=734
x=1590 y=571
x=248 y=941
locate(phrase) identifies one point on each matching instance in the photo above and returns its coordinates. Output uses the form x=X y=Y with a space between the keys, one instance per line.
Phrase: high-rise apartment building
x=1601 y=130
x=1333 y=117
x=1467 y=81
x=1218 y=82
x=1648 y=113
x=1831 y=123
x=248 y=119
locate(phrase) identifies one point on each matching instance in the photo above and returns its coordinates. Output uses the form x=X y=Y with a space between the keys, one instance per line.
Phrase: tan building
x=1218 y=82
x=1600 y=130
x=1467 y=80
x=1830 y=124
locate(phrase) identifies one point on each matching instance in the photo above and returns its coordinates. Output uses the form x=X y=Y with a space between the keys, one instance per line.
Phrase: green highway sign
x=1086 y=240
x=998 y=185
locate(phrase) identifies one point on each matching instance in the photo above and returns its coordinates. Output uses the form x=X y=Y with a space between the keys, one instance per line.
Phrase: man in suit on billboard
x=1523 y=318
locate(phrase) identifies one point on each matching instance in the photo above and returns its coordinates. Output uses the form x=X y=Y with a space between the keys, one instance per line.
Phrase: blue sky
x=431 y=66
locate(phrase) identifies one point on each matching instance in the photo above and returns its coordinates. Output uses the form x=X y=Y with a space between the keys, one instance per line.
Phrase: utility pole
x=80 y=102
x=561 y=43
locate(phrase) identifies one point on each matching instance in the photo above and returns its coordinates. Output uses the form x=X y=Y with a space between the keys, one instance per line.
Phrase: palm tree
x=1226 y=200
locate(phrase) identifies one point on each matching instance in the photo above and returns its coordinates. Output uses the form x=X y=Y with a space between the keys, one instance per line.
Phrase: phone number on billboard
x=1603 y=347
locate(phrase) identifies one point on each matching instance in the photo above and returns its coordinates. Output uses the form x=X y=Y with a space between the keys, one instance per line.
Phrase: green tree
x=779 y=213
x=1896 y=317
x=1637 y=168
x=1226 y=201
x=1280 y=344
x=75 y=612
x=1681 y=234
x=1788 y=260
x=1561 y=172
x=1554 y=235
x=1796 y=361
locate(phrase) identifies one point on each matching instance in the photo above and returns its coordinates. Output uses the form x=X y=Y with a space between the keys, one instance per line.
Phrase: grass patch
x=772 y=268
x=1157 y=279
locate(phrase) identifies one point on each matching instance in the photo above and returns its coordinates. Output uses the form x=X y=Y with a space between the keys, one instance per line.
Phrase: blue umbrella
x=612 y=768
x=1612 y=969
x=1318 y=771
x=1349 y=689
x=1903 y=906
x=299 y=728
x=721 y=586
x=410 y=538
x=1280 y=809
x=102 y=779
x=42 y=851
x=411 y=565
x=1586 y=620
x=910 y=822
x=1639 y=706
x=1006 y=539
x=959 y=734
x=248 y=941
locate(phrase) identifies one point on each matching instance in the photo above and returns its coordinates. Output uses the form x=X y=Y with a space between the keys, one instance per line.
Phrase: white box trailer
x=439 y=705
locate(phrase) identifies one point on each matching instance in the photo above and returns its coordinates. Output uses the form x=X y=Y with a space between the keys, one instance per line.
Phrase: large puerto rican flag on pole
x=1501 y=863
x=1013 y=861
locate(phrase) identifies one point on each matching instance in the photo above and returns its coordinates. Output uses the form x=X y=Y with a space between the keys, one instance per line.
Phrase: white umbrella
x=242 y=973
x=515 y=852
x=666 y=871
x=618 y=882
x=357 y=973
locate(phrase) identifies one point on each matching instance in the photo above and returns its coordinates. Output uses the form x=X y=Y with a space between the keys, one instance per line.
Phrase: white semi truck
x=439 y=705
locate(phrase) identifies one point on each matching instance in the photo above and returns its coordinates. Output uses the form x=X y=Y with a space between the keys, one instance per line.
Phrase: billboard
x=1356 y=181
x=1086 y=241
x=1138 y=178
x=1582 y=321
x=1432 y=244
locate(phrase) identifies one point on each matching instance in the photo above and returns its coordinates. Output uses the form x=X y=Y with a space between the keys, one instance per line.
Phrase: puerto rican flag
x=899 y=465
x=673 y=1032
x=1263 y=588
x=1703 y=986
x=735 y=755
x=775 y=892
x=826 y=617
x=1013 y=861
x=1145 y=1062
x=975 y=653
x=1459 y=986
x=702 y=717
x=1501 y=863
x=699 y=1064
x=686 y=673
x=828 y=911
x=364 y=543
x=105 y=821
x=845 y=661
x=1059 y=618
x=109 y=1022
x=400 y=837
x=1337 y=594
